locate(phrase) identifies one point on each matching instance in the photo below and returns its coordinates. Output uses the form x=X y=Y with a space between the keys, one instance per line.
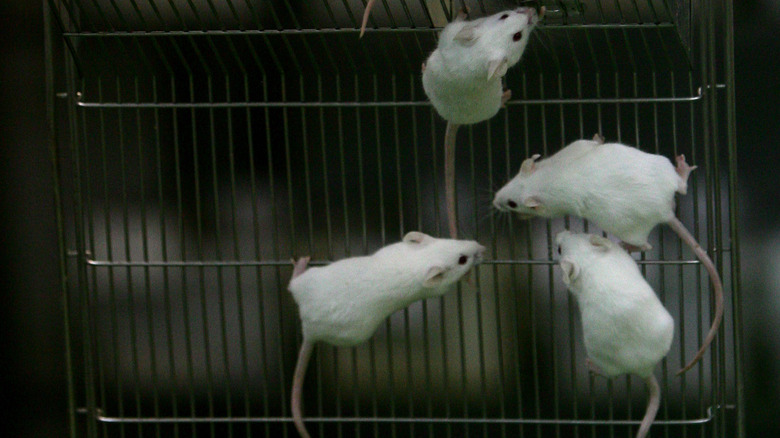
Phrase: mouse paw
x=683 y=169
x=505 y=97
x=630 y=247
x=423 y=67
x=300 y=265
x=598 y=138
x=593 y=368
x=463 y=13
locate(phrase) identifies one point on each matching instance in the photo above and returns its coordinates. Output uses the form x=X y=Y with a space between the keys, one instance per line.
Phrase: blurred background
x=32 y=364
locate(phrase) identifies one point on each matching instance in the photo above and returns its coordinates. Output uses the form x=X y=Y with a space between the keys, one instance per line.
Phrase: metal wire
x=199 y=145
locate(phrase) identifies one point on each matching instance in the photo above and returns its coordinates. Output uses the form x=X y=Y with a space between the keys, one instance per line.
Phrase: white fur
x=456 y=77
x=625 y=191
x=625 y=327
x=343 y=303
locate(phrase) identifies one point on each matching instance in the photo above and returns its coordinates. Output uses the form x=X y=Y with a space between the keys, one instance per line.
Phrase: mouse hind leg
x=684 y=170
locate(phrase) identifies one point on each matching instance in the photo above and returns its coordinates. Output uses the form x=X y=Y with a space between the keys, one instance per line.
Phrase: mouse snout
x=479 y=254
x=526 y=10
x=560 y=237
x=504 y=204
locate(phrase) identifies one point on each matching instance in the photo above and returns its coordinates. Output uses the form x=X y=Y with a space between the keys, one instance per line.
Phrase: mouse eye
x=463 y=259
x=512 y=204
x=517 y=36
x=504 y=17
x=559 y=250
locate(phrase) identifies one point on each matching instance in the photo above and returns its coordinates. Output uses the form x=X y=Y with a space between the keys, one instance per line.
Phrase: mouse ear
x=467 y=35
x=532 y=202
x=415 y=237
x=529 y=164
x=434 y=276
x=599 y=243
x=570 y=271
x=497 y=68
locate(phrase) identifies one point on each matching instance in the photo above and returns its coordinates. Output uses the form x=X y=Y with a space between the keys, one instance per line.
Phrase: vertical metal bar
x=56 y=172
x=496 y=293
x=131 y=299
x=145 y=255
x=731 y=138
x=167 y=308
x=478 y=297
x=236 y=240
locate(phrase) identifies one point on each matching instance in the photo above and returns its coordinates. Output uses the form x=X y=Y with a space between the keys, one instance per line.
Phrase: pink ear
x=415 y=237
x=497 y=68
x=532 y=202
x=570 y=271
x=466 y=35
x=434 y=276
x=529 y=164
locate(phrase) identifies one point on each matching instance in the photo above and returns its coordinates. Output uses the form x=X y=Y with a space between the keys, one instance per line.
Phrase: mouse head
x=578 y=250
x=503 y=37
x=444 y=261
x=518 y=195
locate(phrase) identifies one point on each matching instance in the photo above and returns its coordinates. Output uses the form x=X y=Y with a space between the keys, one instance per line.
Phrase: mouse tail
x=450 y=135
x=717 y=288
x=366 y=13
x=653 y=403
x=300 y=373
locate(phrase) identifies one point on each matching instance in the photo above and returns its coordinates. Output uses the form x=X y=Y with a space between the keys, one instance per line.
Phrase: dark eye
x=512 y=204
x=559 y=250
x=504 y=17
x=517 y=36
x=463 y=259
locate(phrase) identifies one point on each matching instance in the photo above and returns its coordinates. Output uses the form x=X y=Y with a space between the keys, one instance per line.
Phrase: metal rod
x=713 y=412
x=231 y=263
x=211 y=105
x=277 y=32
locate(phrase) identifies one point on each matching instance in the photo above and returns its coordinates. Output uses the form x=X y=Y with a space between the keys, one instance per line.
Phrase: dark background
x=32 y=367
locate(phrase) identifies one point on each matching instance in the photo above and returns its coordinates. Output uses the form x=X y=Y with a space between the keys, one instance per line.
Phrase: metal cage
x=201 y=144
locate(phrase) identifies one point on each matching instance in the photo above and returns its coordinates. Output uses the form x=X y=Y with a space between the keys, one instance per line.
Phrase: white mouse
x=463 y=76
x=625 y=327
x=623 y=190
x=344 y=303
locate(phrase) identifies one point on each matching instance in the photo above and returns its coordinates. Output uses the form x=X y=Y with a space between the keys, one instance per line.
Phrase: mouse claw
x=300 y=265
x=683 y=169
x=629 y=247
x=468 y=278
x=463 y=13
x=505 y=97
x=593 y=368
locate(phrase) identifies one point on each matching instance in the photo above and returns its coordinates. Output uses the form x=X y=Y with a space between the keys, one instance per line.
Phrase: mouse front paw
x=463 y=13
x=505 y=97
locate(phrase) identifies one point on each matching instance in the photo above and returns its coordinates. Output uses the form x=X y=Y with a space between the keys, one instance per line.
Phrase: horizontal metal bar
x=233 y=263
x=159 y=105
x=711 y=413
x=346 y=30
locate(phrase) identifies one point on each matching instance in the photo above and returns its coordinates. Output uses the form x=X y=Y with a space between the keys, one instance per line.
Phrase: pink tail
x=300 y=372
x=450 y=135
x=653 y=402
x=366 y=13
x=717 y=288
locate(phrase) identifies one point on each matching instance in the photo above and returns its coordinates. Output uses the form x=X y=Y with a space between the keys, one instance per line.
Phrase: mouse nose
x=479 y=254
x=526 y=10
x=504 y=204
